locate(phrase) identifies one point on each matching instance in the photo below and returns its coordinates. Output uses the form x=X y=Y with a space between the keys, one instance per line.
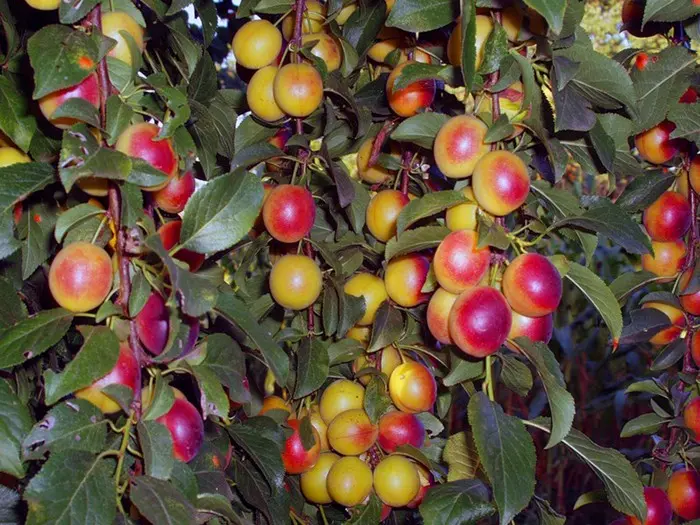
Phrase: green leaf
x=669 y=10
x=648 y=386
x=142 y=173
x=646 y=424
x=118 y=118
x=377 y=400
x=499 y=130
x=73 y=216
x=226 y=360
x=507 y=453
x=495 y=50
x=273 y=503
x=61 y=58
x=468 y=39
x=416 y=240
x=33 y=336
x=461 y=456
x=420 y=129
x=418 y=71
x=264 y=452
x=344 y=351
x=15 y=423
x=627 y=283
x=21 y=180
x=625 y=491
x=422 y=15
x=221 y=213
x=356 y=211
x=96 y=358
x=162 y=400
x=77 y=109
x=312 y=367
x=251 y=132
x=12 y=309
x=548 y=516
x=387 y=327
x=237 y=313
x=161 y=502
x=599 y=294
x=73 y=486
x=427 y=206
x=75 y=424
x=552 y=11
x=516 y=376
x=491 y=234
x=462 y=502
x=363 y=26
x=686 y=117
x=644 y=190
x=8 y=242
x=156 y=445
x=36 y=248
x=367 y=514
x=72 y=12
x=464 y=368
x=15 y=121
x=644 y=324
x=561 y=403
x=669 y=355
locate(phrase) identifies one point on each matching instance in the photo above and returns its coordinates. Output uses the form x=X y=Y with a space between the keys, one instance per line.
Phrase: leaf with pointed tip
x=33 y=336
x=156 y=445
x=15 y=423
x=161 y=502
x=461 y=502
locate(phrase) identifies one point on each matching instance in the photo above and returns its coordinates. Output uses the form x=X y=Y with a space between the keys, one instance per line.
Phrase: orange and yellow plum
x=126 y=372
x=412 y=387
x=458 y=263
x=463 y=216
x=480 y=321
x=314 y=415
x=500 y=182
x=80 y=276
x=667 y=260
x=396 y=480
x=289 y=213
x=376 y=173
x=312 y=21
x=668 y=218
x=372 y=289
x=459 y=145
x=113 y=23
x=10 y=155
x=261 y=97
x=352 y=432
x=655 y=145
x=407 y=101
x=694 y=174
x=382 y=213
x=385 y=360
x=295 y=282
x=400 y=428
x=274 y=403
x=691 y=417
x=256 y=44
x=691 y=301
x=185 y=426
x=326 y=48
x=314 y=481
x=340 y=396
x=349 y=481
x=532 y=285
x=44 y=5
x=438 y=315
x=404 y=279
x=675 y=316
x=87 y=90
x=298 y=89
x=139 y=140
x=176 y=193
x=295 y=457
x=684 y=493
x=170 y=236
x=484 y=26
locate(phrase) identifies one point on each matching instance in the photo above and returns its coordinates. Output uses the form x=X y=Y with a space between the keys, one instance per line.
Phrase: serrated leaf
x=363 y=26
x=12 y=309
x=462 y=502
x=552 y=11
x=669 y=10
x=643 y=325
x=627 y=283
x=420 y=129
x=561 y=402
x=646 y=424
x=74 y=215
x=263 y=451
x=161 y=502
x=461 y=456
x=507 y=454
x=644 y=190
x=21 y=180
x=420 y=16
x=15 y=122
x=464 y=368
x=156 y=445
x=377 y=400
x=15 y=423
x=36 y=248
x=416 y=240
x=427 y=206
x=669 y=355
x=516 y=376
x=686 y=117
x=33 y=336
x=118 y=118
x=312 y=367
x=599 y=294
x=387 y=327
x=226 y=360
x=648 y=386
x=344 y=351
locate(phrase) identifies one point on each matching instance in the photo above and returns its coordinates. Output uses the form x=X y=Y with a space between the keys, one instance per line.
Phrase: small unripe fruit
x=691 y=417
x=668 y=218
x=536 y=328
x=500 y=182
x=371 y=288
x=10 y=156
x=400 y=428
x=396 y=481
x=170 y=236
x=295 y=458
x=404 y=279
x=458 y=263
x=438 y=315
x=295 y=282
x=459 y=145
x=406 y=102
x=80 y=277
x=375 y=174
x=659 y=511
x=173 y=198
x=383 y=211
x=139 y=140
x=480 y=321
x=412 y=387
x=340 y=396
x=655 y=145
x=112 y=25
x=185 y=426
x=668 y=258
x=88 y=90
x=463 y=216
x=349 y=481
x=298 y=89
x=484 y=26
x=256 y=44
x=689 y=302
x=125 y=372
x=684 y=494
x=351 y=432
x=289 y=213
x=675 y=316
x=327 y=49
x=532 y=285
x=274 y=403
x=313 y=481
x=261 y=97
x=312 y=20
x=44 y=5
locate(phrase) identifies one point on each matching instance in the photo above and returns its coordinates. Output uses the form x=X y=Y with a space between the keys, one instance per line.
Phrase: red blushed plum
x=404 y=279
x=458 y=263
x=668 y=258
x=87 y=90
x=684 y=494
x=691 y=417
x=690 y=302
x=175 y=195
x=408 y=101
x=296 y=459
x=80 y=276
x=170 y=235
x=352 y=433
x=152 y=326
x=655 y=145
x=383 y=212
x=400 y=428
x=480 y=321
x=125 y=372
x=500 y=182
x=532 y=285
x=412 y=387
x=675 y=316
x=659 y=511
x=185 y=426
x=459 y=145
x=668 y=218
x=289 y=213
x=438 y=315
x=536 y=328
x=138 y=140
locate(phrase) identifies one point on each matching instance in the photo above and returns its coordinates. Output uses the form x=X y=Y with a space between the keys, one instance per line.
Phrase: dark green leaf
x=33 y=336
x=156 y=445
x=377 y=400
x=21 y=180
x=551 y=10
x=686 y=117
x=670 y=355
x=420 y=129
x=644 y=324
x=312 y=367
x=416 y=240
x=421 y=15
x=363 y=26
x=15 y=423
x=515 y=374
x=464 y=368
x=387 y=327
x=118 y=118
x=644 y=190
x=161 y=502
x=427 y=206
x=73 y=216
x=15 y=122
x=462 y=502
x=646 y=424
x=264 y=452
x=344 y=351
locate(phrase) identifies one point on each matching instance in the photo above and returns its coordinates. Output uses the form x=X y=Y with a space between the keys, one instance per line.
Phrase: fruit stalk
x=299 y=6
x=379 y=141
x=405 y=169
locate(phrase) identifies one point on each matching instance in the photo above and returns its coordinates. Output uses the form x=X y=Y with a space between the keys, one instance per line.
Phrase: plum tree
x=459 y=263
x=459 y=145
x=298 y=89
x=289 y=213
x=500 y=182
x=383 y=211
x=532 y=285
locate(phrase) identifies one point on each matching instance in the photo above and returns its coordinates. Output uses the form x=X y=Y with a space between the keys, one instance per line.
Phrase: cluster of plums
x=351 y=456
